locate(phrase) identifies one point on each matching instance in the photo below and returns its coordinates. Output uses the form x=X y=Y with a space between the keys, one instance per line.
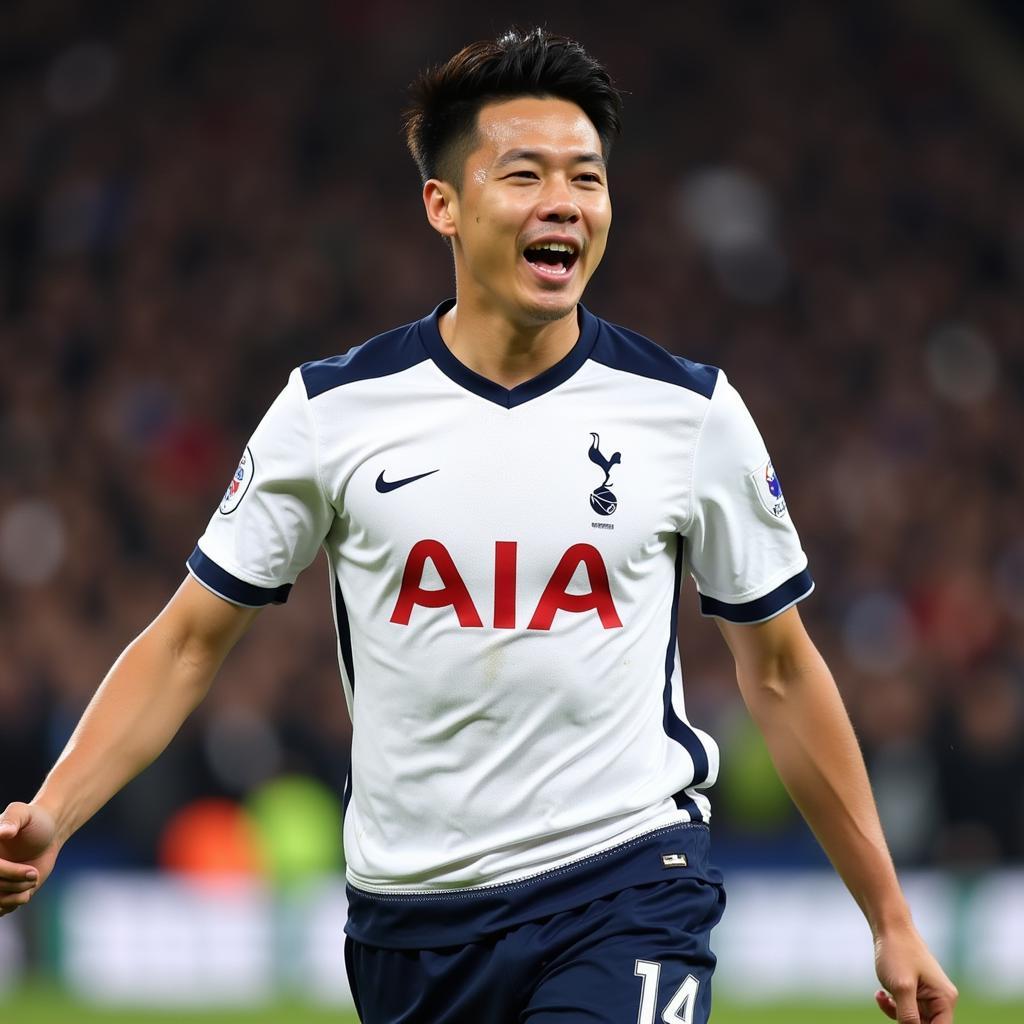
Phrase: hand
x=920 y=991
x=28 y=849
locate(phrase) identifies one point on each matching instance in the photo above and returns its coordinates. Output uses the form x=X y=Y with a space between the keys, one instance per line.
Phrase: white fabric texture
x=496 y=735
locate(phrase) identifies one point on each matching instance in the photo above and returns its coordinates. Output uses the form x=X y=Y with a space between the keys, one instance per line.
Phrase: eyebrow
x=532 y=154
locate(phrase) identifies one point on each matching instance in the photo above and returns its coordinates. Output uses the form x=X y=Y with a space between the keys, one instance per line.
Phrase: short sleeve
x=274 y=515
x=742 y=547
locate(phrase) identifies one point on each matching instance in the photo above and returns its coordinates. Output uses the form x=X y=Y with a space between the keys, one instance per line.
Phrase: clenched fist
x=28 y=849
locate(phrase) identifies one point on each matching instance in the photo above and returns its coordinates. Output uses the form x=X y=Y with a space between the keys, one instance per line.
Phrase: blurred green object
x=40 y=1004
x=298 y=821
x=749 y=786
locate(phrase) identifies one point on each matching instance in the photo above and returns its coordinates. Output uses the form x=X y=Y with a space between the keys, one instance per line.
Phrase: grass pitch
x=45 y=1005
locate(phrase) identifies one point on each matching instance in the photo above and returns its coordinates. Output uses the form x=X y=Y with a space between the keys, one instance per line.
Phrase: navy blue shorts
x=635 y=955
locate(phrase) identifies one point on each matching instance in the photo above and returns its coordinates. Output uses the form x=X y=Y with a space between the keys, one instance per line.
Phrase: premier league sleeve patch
x=769 y=490
x=239 y=484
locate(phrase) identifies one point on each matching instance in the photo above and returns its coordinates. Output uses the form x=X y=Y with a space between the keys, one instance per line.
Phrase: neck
x=503 y=351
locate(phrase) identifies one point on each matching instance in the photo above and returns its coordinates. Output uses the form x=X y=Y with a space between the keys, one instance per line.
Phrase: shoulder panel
x=622 y=349
x=381 y=356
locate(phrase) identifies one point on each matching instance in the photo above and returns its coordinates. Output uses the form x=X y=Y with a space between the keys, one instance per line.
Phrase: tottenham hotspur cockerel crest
x=602 y=501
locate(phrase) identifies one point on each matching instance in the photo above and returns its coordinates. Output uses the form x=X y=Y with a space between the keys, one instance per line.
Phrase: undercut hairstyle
x=440 y=124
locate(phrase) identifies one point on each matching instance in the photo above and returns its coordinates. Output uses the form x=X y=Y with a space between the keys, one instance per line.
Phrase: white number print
x=680 y=1007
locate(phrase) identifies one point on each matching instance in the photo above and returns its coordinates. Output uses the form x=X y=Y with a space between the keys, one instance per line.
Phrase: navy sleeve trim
x=782 y=597
x=232 y=589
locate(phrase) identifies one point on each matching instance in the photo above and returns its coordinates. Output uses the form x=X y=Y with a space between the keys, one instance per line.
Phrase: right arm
x=151 y=689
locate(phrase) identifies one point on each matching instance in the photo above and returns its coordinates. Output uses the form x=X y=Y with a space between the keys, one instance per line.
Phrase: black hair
x=440 y=124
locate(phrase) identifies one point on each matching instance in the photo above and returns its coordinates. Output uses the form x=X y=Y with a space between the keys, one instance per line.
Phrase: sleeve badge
x=769 y=490
x=239 y=484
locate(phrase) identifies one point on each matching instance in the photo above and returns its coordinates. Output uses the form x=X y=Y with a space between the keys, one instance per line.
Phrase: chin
x=555 y=308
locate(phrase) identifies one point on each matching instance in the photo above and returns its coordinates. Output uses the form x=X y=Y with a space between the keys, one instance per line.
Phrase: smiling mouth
x=555 y=258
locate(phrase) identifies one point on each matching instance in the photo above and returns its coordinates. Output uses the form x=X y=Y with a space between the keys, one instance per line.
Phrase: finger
x=906 y=1004
x=16 y=886
x=11 y=871
x=14 y=819
x=886 y=1004
x=12 y=901
x=939 y=1008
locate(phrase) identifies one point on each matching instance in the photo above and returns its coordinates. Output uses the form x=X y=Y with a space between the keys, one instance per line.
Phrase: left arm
x=793 y=698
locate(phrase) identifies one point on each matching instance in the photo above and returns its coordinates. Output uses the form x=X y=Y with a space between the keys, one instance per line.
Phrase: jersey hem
x=385 y=892
x=413 y=920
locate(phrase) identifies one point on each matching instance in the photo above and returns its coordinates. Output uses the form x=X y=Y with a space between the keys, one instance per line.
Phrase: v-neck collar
x=472 y=381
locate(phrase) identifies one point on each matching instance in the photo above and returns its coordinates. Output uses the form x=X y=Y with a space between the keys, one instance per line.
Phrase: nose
x=557 y=205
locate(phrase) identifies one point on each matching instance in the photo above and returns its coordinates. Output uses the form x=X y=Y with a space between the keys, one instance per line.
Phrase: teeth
x=553 y=247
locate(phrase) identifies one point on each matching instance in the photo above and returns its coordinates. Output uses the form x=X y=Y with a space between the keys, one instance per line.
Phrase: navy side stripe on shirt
x=674 y=726
x=341 y=624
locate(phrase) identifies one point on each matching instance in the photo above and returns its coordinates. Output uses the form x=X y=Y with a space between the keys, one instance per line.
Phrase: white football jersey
x=506 y=568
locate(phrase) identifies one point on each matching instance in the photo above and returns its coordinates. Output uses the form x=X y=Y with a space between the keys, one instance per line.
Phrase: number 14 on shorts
x=680 y=1006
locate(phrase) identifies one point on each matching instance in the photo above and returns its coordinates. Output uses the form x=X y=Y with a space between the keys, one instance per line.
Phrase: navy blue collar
x=469 y=379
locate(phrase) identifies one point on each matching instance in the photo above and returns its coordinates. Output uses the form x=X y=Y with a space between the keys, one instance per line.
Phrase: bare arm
x=793 y=698
x=150 y=690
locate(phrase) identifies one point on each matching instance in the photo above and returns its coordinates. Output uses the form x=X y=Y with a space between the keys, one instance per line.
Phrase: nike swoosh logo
x=390 y=485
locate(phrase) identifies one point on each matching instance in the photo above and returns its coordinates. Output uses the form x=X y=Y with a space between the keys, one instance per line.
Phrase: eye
x=522 y=174
x=589 y=178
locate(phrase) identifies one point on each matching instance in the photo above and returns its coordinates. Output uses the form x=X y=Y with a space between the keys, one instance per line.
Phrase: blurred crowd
x=196 y=197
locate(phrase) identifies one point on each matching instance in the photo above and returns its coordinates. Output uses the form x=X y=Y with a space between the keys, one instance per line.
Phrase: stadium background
x=822 y=198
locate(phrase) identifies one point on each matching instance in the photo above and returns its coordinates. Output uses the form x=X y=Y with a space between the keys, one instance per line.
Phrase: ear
x=441 y=202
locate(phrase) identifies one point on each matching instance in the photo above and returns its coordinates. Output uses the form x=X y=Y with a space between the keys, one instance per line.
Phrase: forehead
x=534 y=122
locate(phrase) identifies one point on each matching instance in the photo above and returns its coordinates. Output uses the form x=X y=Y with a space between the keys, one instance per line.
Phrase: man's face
x=532 y=216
